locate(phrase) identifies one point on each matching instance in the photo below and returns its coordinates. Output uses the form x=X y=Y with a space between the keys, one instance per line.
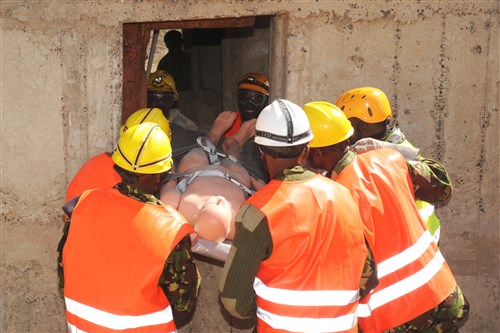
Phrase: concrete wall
x=61 y=99
x=246 y=50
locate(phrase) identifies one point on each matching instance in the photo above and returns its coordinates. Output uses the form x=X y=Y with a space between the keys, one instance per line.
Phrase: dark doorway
x=221 y=51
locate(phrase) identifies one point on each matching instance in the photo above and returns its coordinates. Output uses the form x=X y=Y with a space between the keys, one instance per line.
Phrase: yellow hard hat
x=368 y=104
x=256 y=82
x=153 y=115
x=144 y=149
x=162 y=81
x=328 y=124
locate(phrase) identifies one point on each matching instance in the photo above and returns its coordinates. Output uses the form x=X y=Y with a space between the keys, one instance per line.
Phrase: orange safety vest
x=98 y=172
x=311 y=280
x=113 y=258
x=413 y=275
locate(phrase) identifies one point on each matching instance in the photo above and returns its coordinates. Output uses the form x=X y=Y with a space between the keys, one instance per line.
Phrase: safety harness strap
x=190 y=176
x=213 y=157
x=209 y=147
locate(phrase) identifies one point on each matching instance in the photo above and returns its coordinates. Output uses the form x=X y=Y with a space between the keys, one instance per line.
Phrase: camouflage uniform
x=447 y=317
x=430 y=179
x=180 y=280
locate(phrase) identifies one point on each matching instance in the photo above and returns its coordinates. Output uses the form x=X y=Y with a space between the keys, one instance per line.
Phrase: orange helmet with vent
x=368 y=104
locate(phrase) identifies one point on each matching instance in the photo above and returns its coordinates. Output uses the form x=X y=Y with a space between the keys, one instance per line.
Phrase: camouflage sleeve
x=369 y=278
x=68 y=211
x=431 y=182
x=251 y=245
x=180 y=281
x=449 y=316
x=60 y=247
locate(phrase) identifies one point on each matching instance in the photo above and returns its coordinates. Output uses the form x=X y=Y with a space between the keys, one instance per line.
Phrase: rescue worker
x=125 y=259
x=98 y=172
x=162 y=94
x=369 y=112
x=298 y=255
x=252 y=96
x=177 y=62
x=416 y=290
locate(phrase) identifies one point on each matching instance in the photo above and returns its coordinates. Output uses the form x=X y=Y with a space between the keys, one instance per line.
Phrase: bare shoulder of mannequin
x=257 y=184
x=169 y=194
x=195 y=159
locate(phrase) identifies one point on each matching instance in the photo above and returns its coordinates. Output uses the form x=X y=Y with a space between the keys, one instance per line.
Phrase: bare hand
x=257 y=184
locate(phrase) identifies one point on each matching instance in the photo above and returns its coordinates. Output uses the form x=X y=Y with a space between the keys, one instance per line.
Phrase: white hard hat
x=281 y=124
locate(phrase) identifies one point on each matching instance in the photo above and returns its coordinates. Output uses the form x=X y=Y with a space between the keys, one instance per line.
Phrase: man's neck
x=279 y=166
x=136 y=193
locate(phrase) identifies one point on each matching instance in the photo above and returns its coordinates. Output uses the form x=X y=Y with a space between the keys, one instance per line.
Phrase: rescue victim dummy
x=209 y=193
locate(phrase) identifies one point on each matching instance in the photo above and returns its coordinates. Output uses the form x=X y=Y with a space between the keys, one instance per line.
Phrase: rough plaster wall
x=241 y=55
x=470 y=131
x=438 y=62
x=32 y=145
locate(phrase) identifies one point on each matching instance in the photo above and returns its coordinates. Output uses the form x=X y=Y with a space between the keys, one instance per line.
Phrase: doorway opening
x=220 y=52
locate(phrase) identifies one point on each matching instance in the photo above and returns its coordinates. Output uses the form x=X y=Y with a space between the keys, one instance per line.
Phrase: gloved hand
x=367 y=144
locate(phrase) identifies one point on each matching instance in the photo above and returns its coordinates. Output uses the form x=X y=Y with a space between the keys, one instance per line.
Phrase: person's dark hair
x=375 y=130
x=338 y=147
x=173 y=39
x=283 y=152
x=127 y=176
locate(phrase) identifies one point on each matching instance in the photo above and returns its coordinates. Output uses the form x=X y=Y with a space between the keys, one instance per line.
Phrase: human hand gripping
x=367 y=144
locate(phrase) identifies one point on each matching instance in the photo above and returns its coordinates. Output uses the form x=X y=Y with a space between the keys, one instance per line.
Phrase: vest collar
x=348 y=157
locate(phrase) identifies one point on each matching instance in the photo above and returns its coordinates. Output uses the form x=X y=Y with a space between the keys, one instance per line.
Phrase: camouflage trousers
x=447 y=317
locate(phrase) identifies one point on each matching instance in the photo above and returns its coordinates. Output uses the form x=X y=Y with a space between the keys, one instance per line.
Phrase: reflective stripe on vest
x=74 y=329
x=432 y=222
x=113 y=321
x=306 y=298
x=402 y=287
x=405 y=257
x=293 y=324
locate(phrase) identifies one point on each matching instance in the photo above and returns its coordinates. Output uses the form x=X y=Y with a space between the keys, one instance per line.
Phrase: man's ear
x=306 y=152
x=302 y=160
x=315 y=152
x=361 y=127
